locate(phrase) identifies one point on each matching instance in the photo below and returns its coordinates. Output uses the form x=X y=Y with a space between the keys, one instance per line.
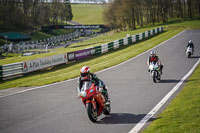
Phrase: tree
x=69 y=14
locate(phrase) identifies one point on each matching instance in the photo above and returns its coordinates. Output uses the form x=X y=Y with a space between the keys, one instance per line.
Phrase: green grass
x=58 y=32
x=55 y=32
x=183 y=114
x=40 y=35
x=87 y=14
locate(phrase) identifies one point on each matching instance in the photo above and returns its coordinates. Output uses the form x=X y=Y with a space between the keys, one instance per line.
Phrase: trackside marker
x=139 y=126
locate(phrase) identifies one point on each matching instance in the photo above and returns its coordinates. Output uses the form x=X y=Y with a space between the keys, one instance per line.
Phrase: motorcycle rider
x=86 y=75
x=154 y=58
x=190 y=44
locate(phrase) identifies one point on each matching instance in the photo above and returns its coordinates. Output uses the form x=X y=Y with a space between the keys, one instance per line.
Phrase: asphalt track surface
x=56 y=108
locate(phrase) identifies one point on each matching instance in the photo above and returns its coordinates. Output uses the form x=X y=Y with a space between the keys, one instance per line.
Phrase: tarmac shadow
x=122 y=118
x=169 y=81
x=195 y=57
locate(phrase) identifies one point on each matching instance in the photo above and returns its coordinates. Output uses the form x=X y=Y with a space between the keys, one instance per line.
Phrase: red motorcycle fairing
x=100 y=100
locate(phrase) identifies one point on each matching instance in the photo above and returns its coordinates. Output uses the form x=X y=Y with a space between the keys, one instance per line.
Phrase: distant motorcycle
x=189 y=52
x=155 y=71
x=94 y=101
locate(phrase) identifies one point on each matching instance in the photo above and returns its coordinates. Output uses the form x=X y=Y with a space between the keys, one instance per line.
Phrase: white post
x=47 y=48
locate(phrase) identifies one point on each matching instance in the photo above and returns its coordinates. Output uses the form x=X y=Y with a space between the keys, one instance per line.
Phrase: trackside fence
x=18 y=69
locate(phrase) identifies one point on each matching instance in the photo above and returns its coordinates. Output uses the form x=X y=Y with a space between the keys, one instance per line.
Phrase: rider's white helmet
x=190 y=41
x=153 y=53
x=85 y=70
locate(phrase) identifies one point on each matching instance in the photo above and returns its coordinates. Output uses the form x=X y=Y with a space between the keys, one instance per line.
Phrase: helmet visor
x=84 y=74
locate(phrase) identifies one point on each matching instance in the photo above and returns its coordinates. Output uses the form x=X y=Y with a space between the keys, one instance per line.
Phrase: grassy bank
x=87 y=14
x=183 y=114
x=55 y=32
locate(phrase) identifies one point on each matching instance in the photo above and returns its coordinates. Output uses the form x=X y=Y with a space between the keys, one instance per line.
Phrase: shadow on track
x=169 y=81
x=122 y=118
x=195 y=57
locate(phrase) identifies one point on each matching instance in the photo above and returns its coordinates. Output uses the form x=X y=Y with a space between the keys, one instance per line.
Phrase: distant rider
x=190 y=44
x=86 y=75
x=154 y=58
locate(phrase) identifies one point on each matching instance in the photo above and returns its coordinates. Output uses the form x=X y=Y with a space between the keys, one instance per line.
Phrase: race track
x=56 y=108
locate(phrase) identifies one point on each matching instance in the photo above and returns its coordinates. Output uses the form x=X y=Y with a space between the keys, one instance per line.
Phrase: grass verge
x=87 y=13
x=183 y=114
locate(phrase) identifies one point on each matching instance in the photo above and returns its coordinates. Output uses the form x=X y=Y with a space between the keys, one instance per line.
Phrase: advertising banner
x=37 y=64
x=82 y=54
x=71 y=56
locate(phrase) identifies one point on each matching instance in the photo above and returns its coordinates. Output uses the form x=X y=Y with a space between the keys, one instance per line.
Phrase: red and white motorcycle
x=94 y=101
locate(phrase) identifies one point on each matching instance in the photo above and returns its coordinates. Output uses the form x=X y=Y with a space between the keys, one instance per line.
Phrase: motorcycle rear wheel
x=92 y=113
x=189 y=55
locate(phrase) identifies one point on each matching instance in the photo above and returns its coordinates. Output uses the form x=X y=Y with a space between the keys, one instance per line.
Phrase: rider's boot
x=161 y=70
x=107 y=98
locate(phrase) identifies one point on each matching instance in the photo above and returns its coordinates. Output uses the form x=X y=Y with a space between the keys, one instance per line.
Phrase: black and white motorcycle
x=155 y=71
x=189 y=52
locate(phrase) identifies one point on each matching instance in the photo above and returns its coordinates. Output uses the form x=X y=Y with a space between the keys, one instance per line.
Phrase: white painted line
x=139 y=126
x=96 y=72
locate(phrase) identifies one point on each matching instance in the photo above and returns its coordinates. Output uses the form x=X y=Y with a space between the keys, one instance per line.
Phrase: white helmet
x=190 y=41
x=85 y=70
x=153 y=53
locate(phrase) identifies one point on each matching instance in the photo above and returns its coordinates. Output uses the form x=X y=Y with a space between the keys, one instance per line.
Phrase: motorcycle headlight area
x=151 y=67
x=83 y=94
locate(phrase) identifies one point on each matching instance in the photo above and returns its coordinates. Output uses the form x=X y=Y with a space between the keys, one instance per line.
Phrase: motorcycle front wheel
x=154 y=76
x=92 y=113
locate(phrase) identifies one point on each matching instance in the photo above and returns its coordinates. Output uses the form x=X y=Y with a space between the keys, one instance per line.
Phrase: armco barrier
x=121 y=42
x=18 y=69
x=110 y=46
x=104 y=48
x=97 y=50
x=11 y=70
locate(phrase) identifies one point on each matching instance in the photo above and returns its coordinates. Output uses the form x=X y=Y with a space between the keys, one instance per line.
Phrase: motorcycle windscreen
x=153 y=66
x=86 y=85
